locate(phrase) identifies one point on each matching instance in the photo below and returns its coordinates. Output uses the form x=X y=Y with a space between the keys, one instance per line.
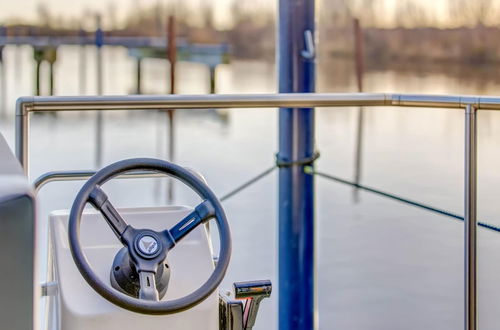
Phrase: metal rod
x=296 y=63
x=298 y=100
x=22 y=134
x=470 y=243
x=144 y=102
x=45 y=178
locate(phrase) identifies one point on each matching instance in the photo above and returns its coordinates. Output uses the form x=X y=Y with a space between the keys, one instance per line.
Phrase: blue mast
x=296 y=60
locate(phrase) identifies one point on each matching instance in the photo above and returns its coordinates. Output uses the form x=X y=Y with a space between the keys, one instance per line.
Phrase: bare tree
x=112 y=18
x=44 y=15
x=471 y=12
x=411 y=14
x=365 y=11
x=207 y=14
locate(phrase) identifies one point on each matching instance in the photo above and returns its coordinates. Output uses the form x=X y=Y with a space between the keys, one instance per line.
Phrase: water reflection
x=381 y=265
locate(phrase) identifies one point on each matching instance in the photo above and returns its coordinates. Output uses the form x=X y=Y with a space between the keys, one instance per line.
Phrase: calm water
x=381 y=264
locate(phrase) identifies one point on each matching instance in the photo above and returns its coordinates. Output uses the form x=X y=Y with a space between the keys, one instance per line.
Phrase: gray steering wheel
x=147 y=249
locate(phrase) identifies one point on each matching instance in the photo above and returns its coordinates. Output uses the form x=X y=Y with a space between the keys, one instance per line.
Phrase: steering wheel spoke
x=100 y=201
x=201 y=214
x=148 y=290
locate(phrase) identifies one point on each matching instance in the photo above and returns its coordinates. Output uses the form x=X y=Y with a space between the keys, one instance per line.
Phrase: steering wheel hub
x=147 y=245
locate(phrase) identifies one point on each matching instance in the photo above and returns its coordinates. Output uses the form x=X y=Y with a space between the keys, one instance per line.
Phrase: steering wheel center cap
x=148 y=245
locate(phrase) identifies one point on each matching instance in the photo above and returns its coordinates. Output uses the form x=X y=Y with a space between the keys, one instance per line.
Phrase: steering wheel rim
x=124 y=300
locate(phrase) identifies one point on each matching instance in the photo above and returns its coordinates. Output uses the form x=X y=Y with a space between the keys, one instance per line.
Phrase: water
x=381 y=264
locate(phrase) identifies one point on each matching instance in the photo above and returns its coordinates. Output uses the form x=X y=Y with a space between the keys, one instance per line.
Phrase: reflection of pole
x=358 y=44
x=138 y=75
x=212 y=79
x=17 y=65
x=51 y=78
x=38 y=59
x=99 y=124
x=83 y=64
x=172 y=58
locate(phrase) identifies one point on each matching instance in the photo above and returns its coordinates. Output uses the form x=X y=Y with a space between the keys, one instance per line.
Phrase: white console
x=81 y=308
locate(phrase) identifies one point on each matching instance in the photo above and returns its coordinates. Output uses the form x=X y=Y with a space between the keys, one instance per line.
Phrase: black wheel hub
x=124 y=276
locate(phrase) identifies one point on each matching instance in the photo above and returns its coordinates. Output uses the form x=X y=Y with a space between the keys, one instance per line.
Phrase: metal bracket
x=240 y=313
x=230 y=312
x=309 y=52
x=48 y=289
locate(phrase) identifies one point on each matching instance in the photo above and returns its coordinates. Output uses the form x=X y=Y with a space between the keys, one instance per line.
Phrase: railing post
x=22 y=134
x=296 y=60
x=470 y=244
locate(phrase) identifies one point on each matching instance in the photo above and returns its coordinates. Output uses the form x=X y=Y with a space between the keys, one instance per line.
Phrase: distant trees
x=392 y=28
x=473 y=12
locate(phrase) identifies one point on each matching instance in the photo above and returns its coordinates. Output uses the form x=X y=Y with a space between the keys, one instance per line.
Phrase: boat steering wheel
x=147 y=249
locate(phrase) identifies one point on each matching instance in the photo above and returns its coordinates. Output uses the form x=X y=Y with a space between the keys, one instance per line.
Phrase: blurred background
x=380 y=264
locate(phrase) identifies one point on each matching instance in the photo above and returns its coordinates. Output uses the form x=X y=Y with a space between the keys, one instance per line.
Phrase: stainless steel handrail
x=468 y=104
x=48 y=177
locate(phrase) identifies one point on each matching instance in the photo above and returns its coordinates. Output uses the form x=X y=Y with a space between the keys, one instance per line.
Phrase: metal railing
x=468 y=104
x=45 y=178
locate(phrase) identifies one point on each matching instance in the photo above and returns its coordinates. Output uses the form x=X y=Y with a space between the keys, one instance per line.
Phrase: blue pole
x=296 y=188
